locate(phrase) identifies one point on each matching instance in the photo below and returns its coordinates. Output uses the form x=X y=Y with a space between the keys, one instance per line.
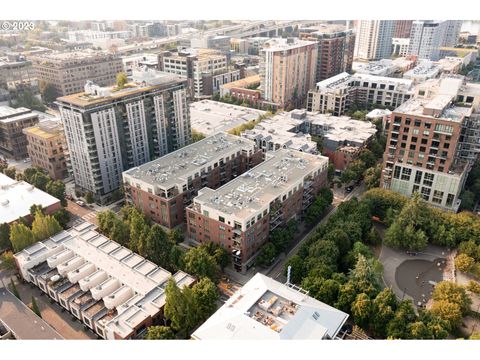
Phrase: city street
x=81 y=212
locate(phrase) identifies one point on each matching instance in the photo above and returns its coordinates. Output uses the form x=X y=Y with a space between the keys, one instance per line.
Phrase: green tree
x=371 y=177
x=298 y=270
x=35 y=307
x=331 y=172
x=48 y=92
x=221 y=257
x=468 y=200
x=383 y=310
x=197 y=136
x=138 y=231
x=5 y=236
x=206 y=297
x=200 y=263
x=63 y=217
x=21 y=237
x=35 y=208
x=362 y=309
x=10 y=172
x=89 y=198
x=57 y=189
x=28 y=100
x=121 y=80
x=367 y=271
x=473 y=287
x=407 y=237
x=158 y=246
x=346 y=296
x=176 y=258
x=181 y=308
x=266 y=255
x=397 y=328
x=176 y=236
x=470 y=248
x=44 y=226
x=7 y=261
x=14 y=290
x=160 y=333
x=106 y=220
x=120 y=232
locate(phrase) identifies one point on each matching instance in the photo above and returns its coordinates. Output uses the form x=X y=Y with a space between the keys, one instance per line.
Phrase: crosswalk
x=91 y=216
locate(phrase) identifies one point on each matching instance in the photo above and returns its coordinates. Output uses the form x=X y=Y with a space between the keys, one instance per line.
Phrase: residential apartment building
x=335 y=49
x=265 y=309
x=403 y=28
x=69 y=72
x=342 y=137
x=162 y=189
x=114 y=292
x=13 y=142
x=427 y=37
x=400 y=46
x=424 y=70
x=109 y=130
x=46 y=144
x=335 y=94
x=385 y=67
x=287 y=70
x=240 y=215
x=374 y=39
x=432 y=140
x=207 y=70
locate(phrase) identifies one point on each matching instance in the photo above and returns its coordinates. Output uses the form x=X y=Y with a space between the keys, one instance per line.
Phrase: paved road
x=277 y=271
x=58 y=318
x=80 y=212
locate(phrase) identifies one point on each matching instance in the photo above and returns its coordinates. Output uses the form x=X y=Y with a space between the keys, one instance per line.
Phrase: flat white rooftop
x=280 y=44
x=210 y=117
x=174 y=169
x=265 y=309
x=254 y=190
x=16 y=198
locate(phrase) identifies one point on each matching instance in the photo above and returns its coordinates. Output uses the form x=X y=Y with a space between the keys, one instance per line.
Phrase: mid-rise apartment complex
x=432 y=141
x=114 y=292
x=46 y=144
x=69 y=72
x=109 y=130
x=13 y=142
x=335 y=49
x=240 y=215
x=374 y=39
x=164 y=187
x=287 y=70
x=385 y=67
x=342 y=137
x=205 y=69
x=335 y=94
x=427 y=37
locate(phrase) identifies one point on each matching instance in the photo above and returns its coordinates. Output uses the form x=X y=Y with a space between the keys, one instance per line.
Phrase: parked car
x=349 y=189
x=69 y=197
x=27 y=160
x=80 y=203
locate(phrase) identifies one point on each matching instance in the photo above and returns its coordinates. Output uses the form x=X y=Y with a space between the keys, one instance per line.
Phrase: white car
x=80 y=203
x=27 y=160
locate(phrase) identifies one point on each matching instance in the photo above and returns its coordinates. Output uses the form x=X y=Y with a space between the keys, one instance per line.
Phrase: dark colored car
x=349 y=189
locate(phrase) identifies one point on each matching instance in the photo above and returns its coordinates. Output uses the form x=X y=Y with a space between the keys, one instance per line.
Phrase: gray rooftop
x=9 y=114
x=254 y=190
x=174 y=169
x=22 y=321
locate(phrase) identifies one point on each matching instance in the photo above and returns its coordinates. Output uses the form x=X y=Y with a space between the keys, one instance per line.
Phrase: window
x=426 y=193
x=418 y=123
x=221 y=219
x=396 y=172
x=437 y=197
x=428 y=179
x=406 y=172
x=418 y=177
x=450 y=198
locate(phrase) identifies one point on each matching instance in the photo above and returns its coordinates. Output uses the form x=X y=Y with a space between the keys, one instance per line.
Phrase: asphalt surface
x=22 y=321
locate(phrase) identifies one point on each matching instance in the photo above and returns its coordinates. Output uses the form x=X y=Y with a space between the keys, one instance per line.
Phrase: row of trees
x=471 y=194
x=413 y=223
x=249 y=125
x=319 y=205
x=135 y=231
x=42 y=181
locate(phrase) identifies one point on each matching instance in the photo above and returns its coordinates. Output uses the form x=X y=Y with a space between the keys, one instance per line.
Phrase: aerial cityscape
x=239 y=180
